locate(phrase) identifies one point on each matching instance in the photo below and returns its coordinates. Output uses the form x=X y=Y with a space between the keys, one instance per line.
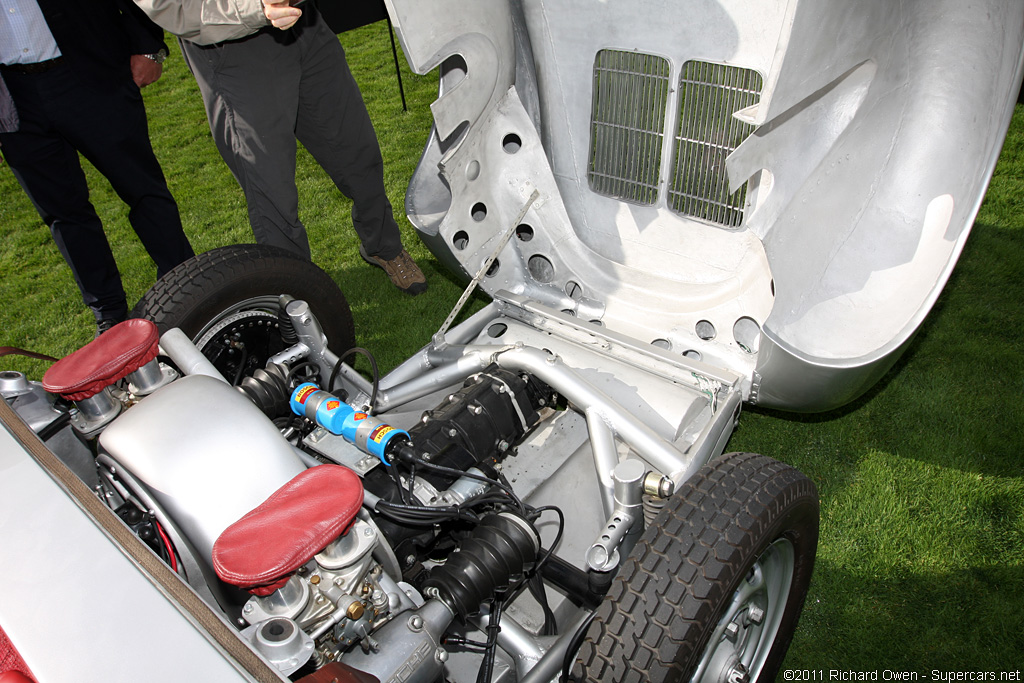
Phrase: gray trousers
x=264 y=91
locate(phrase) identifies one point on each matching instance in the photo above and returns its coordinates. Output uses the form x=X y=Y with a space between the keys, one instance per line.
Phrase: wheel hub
x=242 y=342
x=740 y=643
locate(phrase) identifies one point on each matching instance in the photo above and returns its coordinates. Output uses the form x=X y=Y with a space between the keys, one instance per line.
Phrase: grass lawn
x=921 y=562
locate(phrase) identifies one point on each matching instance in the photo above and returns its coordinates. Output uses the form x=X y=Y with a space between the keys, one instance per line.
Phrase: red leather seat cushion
x=291 y=526
x=122 y=349
x=15 y=677
x=12 y=667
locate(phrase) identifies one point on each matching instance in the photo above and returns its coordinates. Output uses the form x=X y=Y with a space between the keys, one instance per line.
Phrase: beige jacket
x=206 y=21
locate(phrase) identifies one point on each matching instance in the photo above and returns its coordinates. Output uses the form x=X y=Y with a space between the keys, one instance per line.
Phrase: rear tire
x=226 y=301
x=714 y=588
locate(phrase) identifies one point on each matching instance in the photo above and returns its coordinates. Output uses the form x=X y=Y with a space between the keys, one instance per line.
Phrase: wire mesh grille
x=628 y=125
x=709 y=94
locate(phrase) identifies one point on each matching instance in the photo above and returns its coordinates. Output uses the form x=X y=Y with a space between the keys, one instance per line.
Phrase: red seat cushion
x=12 y=667
x=15 y=677
x=122 y=349
x=261 y=550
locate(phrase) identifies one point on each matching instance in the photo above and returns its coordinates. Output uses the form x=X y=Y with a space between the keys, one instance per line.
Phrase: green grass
x=921 y=563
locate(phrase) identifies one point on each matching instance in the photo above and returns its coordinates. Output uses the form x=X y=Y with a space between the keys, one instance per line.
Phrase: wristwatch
x=159 y=56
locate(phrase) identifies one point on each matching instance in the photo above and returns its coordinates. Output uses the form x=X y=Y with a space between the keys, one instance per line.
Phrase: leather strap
x=15 y=351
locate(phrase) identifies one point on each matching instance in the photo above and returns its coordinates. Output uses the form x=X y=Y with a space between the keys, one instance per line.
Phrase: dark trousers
x=266 y=90
x=62 y=116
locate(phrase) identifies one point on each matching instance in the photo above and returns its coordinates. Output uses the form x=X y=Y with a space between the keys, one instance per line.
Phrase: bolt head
x=732 y=630
x=355 y=610
x=738 y=674
x=415 y=623
x=755 y=614
x=441 y=654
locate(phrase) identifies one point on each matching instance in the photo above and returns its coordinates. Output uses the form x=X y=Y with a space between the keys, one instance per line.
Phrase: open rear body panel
x=779 y=189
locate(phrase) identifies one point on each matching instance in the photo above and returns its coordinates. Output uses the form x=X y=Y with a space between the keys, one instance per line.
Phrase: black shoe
x=105 y=324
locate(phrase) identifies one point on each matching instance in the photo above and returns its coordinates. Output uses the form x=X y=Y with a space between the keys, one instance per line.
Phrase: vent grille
x=627 y=125
x=709 y=94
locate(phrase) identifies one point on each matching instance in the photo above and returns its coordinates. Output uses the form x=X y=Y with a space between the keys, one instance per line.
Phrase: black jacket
x=98 y=37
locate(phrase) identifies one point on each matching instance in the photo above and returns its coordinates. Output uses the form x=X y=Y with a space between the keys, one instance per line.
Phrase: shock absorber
x=365 y=431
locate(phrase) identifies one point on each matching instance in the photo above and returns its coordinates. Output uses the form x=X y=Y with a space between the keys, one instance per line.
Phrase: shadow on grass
x=953 y=399
x=912 y=621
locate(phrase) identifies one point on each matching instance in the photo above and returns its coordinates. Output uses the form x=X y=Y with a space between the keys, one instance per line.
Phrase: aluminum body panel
x=879 y=126
x=205 y=476
x=102 y=599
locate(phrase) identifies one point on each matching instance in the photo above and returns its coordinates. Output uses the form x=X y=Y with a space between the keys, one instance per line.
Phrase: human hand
x=145 y=70
x=281 y=14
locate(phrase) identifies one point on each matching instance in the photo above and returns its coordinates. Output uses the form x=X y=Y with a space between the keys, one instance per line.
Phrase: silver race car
x=676 y=209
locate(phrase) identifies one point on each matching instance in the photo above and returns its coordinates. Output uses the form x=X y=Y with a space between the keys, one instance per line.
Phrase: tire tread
x=683 y=567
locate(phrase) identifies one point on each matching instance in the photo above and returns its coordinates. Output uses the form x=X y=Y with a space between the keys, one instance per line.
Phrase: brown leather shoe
x=402 y=270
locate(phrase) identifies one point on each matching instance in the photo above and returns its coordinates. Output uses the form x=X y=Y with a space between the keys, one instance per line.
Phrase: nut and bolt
x=416 y=623
x=657 y=485
x=738 y=674
x=441 y=655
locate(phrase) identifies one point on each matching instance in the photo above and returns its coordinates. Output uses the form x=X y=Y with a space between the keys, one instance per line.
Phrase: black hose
x=493 y=628
x=241 y=368
x=53 y=427
x=572 y=581
x=574 y=647
x=373 y=367
x=407 y=454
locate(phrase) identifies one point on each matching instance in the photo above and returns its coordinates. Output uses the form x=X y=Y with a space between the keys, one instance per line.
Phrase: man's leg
x=113 y=134
x=335 y=127
x=250 y=88
x=48 y=169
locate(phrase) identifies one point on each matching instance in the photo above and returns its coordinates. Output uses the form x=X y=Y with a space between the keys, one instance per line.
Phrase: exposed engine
x=327 y=535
